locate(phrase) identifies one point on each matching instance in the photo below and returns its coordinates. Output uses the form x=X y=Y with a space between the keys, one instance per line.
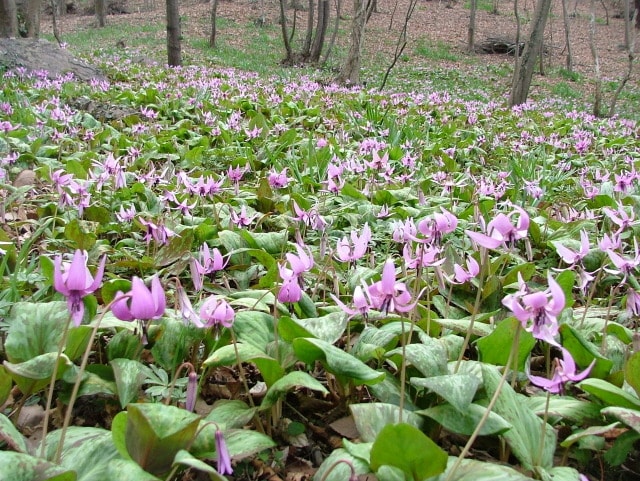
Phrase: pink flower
x=564 y=372
x=223 y=459
x=215 y=312
x=278 y=180
x=76 y=282
x=537 y=311
x=462 y=275
x=141 y=303
x=361 y=301
x=388 y=295
x=210 y=261
x=501 y=230
x=570 y=256
x=349 y=251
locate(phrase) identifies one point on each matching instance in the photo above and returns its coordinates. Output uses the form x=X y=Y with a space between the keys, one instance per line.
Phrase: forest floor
x=437 y=35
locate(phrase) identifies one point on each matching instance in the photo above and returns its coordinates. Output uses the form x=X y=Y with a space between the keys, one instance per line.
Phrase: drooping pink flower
x=570 y=256
x=208 y=262
x=353 y=249
x=215 y=312
x=141 y=303
x=537 y=311
x=564 y=372
x=361 y=301
x=501 y=231
x=223 y=459
x=75 y=282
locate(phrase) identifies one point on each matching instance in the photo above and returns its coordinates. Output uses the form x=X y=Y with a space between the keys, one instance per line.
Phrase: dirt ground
x=434 y=21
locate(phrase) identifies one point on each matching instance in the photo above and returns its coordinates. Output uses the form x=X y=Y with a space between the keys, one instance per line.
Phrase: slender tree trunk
x=8 y=19
x=54 y=21
x=631 y=54
x=597 y=102
x=214 y=17
x=309 y=37
x=33 y=18
x=565 y=19
x=173 y=33
x=321 y=31
x=334 y=34
x=285 y=34
x=533 y=48
x=350 y=72
x=471 y=32
x=101 y=12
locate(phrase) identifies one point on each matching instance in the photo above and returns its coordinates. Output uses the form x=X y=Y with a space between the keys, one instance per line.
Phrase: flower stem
x=543 y=430
x=512 y=358
x=54 y=375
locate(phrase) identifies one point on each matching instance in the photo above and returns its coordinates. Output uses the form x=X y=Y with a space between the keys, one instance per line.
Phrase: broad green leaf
x=183 y=458
x=336 y=361
x=10 y=435
x=584 y=433
x=406 y=447
x=156 y=432
x=243 y=442
x=77 y=341
x=465 y=422
x=565 y=407
x=371 y=418
x=524 y=438
x=23 y=467
x=429 y=358
x=35 y=329
x=172 y=346
x=87 y=451
x=462 y=325
x=111 y=287
x=74 y=232
x=119 y=434
x=329 y=328
x=472 y=470
x=333 y=470
x=630 y=417
x=610 y=394
x=288 y=382
x=583 y=352
x=496 y=347
x=125 y=470
x=124 y=345
x=129 y=376
x=179 y=247
x=34 y=374
x=255 y=328
x=359 y=450
x=632 y=372
x=229 y=414
x=563 y=473
x=373 y=343
x=270 y=369
x=5 y=385
x=457 y=389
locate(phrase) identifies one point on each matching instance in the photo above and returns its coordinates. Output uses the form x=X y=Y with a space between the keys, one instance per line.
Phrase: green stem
x=52 y=382
x=76 y=386
x=543 y=429
x=492 y=403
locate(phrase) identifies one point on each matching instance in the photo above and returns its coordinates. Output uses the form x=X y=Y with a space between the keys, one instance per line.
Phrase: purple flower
x=388 y=295
x=351 y=251
x=564 y=372
x=76 y=282
x=278 y=180
x=361 y=301
x=215 y=312
x=242 y=219
x=302 y=262
x=570 y=256
x=290 y=290
x=633 y=302
x=537 y=311
x=223 y=459
x=501 y=231
x=462 y=275
x=210 y=261
x=141 y=303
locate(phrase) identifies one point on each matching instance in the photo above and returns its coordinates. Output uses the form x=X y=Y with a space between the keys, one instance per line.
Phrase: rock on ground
x=39 y=55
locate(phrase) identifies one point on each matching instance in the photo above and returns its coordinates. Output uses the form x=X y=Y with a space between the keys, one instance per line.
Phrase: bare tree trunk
x=565 y=19
x=54 y=21
x=8 y=19
x=321 y=31
x=334 y=34
x=630 y=56
x=350 y=72
x=307 y=42
x=597 y=101
x=285 y=34
x=471 y=32
x=214 y=17
x=533 y=48
x=32 y=19
x=173 y=33
x=101 y=12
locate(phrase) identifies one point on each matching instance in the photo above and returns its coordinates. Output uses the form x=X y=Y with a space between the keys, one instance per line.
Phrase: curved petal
x=58 y=278
x=388 y=280
x=78 y=276
x=557 y=297
x=120 y=307
x=99 y=274
x=483 y=240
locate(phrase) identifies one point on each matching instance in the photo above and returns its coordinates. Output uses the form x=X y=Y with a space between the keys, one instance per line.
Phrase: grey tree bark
x=321 y=31
x=8 y=19
x=101 y=12
x=214 y=17
x=32 y=18
x=174 y=51
x=533 y=47
x=565 y=19
x=350 y=72
x=471 y=31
